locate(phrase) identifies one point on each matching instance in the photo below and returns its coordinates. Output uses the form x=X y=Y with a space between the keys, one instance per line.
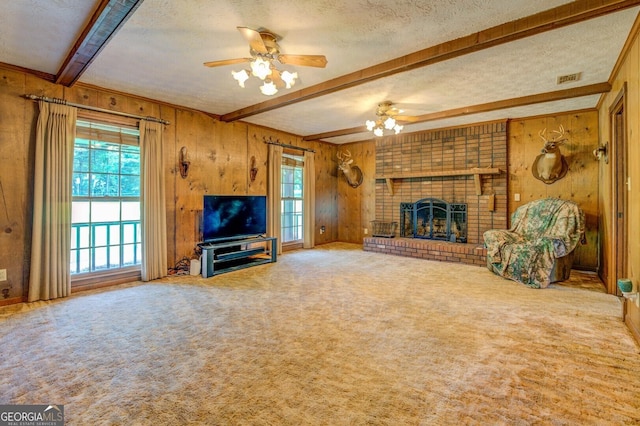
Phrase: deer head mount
x=551 y=164
x=353 y=174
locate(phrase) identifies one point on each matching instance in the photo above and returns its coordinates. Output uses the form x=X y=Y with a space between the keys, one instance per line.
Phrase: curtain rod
x=284 y=145
x=108 y=111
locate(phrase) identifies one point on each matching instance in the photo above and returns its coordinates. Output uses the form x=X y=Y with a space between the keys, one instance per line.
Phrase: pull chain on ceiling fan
x=264 y=50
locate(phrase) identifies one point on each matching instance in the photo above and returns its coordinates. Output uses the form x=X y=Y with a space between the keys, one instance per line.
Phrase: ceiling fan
x=388 y=118
x=264 y=49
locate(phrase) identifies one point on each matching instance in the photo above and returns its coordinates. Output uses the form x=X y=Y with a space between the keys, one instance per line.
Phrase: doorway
x=617 y=114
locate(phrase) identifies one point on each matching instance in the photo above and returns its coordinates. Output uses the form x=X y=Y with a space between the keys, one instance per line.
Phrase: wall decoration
x=253 y=169
x=352 y=173
x=184 y=162
x=551 y=165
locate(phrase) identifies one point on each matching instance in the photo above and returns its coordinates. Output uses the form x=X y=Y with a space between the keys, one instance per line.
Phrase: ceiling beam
x=561 y=16
x=108 y=18
x=558 y=95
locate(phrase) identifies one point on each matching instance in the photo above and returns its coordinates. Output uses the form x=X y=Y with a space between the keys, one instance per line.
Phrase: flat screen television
x=231 y=217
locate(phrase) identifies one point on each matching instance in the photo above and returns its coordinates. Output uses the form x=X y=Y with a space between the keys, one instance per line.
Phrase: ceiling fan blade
x=318 y=61
x=226 y=62
x=277 y=78
x=254 y=38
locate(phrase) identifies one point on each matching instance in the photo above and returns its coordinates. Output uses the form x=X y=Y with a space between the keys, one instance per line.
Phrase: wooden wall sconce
x=253 y=171
x=184 y=162
x=602 y=152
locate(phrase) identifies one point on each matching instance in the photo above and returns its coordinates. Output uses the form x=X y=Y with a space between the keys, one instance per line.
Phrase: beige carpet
x=330 y=336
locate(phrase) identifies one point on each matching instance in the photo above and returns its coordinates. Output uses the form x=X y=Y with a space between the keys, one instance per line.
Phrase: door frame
x=619 y=188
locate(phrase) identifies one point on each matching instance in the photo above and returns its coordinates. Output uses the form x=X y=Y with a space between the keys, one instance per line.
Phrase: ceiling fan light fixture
x=389 y=123
x=240 y=76
x=268 y=88
x=289 y=78
x=386 y=120
x=261 y=68
x=370 y=125
x=264 y=49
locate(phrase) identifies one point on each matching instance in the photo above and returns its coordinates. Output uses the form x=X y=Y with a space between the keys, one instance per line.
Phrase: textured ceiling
x=158 y=53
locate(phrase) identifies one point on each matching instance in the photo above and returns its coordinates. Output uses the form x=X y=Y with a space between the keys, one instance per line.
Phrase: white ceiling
x=159 y=53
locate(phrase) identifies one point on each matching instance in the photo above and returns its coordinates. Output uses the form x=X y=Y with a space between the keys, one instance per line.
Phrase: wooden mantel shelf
x=476 y=172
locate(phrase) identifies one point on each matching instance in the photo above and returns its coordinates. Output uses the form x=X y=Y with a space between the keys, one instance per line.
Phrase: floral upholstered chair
x=539 y=248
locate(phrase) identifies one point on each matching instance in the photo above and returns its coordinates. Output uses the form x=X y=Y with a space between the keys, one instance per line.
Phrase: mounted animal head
x=353 y=174
x=553 y=145
x=551 y=165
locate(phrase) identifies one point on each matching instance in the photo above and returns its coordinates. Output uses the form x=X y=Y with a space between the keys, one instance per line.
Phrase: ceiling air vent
x=569 y=78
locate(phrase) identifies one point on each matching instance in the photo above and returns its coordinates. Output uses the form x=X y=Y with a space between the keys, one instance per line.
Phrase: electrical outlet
x=516 y=197
x=322 y=229
x=3 y=274
x=366 y=231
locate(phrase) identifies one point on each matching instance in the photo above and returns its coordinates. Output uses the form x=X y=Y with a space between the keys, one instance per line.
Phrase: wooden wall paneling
x=579 y=185
x=536 y=189
x=517 y=165
x=171 y=175
x=260 y=152
x=326 y=187
x=347 y=214
x=117 y=102
x=344 y=214
x=584 y=181
x=142 y=107
x=355 y=200
x=81 y=95
x=227 y=159
x=326 y=192
x=350 y=200
x=14 y=177
x=190 y=130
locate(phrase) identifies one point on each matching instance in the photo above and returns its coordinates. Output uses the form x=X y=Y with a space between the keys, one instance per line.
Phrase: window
x=105 y=223
x=292 y=198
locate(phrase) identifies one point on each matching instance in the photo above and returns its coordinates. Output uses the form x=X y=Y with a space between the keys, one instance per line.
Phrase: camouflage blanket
x=541 y=231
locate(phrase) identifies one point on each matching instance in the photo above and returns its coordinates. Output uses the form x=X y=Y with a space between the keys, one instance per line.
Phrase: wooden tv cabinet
x=218 y=258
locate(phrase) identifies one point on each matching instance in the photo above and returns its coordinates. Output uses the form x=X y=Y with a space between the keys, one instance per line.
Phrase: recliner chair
x=539 y=248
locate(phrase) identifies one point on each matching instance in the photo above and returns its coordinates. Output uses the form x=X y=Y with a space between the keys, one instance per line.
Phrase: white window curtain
x=309 y=191
x=50 y=276
x=274 y=189
x=152 y=202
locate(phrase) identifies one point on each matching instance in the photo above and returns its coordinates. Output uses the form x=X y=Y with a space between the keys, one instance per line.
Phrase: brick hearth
x=472 y=254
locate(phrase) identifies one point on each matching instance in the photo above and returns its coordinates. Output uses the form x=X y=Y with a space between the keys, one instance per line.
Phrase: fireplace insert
x=434 y=219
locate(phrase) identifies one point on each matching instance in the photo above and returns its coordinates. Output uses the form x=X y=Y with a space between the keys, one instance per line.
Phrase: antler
x=541 y=134
x=343 y=157
x=560 y=134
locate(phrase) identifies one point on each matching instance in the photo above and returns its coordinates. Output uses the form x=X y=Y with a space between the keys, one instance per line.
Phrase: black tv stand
x=218 y=258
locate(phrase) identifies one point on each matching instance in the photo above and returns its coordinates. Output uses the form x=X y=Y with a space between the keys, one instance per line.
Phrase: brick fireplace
x=462 y=166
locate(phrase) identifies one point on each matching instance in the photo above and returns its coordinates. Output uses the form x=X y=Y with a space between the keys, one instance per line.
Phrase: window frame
x=295 y=162
x=128 y=134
